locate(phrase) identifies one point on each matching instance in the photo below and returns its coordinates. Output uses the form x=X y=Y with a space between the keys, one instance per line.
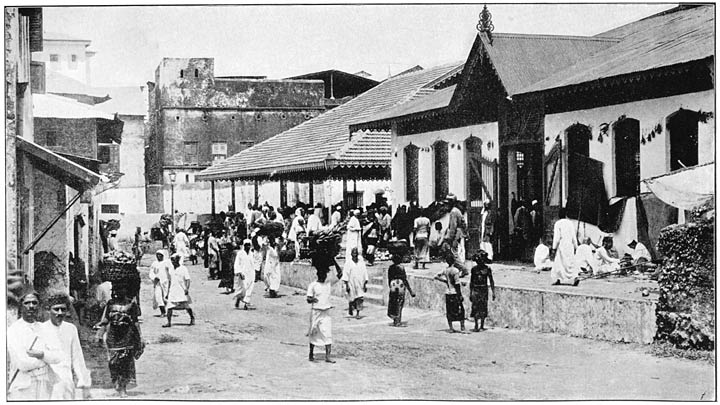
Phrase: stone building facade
x=196 y=119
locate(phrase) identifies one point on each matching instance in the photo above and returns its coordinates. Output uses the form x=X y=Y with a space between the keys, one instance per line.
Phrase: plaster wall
x=455 y=137
x=73 y=136
x=78 y=70
x=654 y=155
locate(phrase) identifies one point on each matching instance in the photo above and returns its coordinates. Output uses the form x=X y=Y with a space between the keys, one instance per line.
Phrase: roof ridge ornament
x=485 y=24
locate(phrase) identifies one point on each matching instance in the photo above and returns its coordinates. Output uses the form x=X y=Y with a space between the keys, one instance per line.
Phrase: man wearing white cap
x=336 y=217
x=352 y=240
x=244 y=267
x=486 y=229
x=159 y=274
x=178 y=296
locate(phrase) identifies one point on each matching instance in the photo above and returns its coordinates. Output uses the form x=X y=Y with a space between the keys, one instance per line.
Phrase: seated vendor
x=607 y=257
x=542 y=255
x=585 y=256
x=639 y=252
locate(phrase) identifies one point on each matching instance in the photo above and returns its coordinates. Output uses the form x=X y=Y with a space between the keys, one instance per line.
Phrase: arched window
x=682 y=128
x=411 y=173
x=627 y=157
x=441 y=169
x=578 y=139
x=197 y=74
x=182 y=73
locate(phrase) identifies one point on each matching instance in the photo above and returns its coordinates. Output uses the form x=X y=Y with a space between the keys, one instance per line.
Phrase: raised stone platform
x=610 y=309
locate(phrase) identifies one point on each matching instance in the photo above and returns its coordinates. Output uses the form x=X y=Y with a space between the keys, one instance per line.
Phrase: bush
x=686 y=308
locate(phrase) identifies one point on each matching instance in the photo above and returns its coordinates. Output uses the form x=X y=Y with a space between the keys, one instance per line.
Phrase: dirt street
x=262 y=354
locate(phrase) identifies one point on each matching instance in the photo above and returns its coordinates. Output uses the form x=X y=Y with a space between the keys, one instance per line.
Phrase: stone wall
x=536 y=310
x=73 y=136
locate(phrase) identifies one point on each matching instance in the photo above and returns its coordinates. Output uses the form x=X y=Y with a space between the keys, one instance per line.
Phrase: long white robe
x=355 y=274
x=272 y=269
x=542 y=257
x=72 y=362
x=585 y=258
x=160 y=271
x=245 y=265
x=564 y=267
x=352 y=239
x=35 y=378
x=182 y=245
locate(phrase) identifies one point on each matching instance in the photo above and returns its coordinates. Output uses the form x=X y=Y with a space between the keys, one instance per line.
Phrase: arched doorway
x=627 y=157
x=441 y=172
x=411 y=173
x=682 y=128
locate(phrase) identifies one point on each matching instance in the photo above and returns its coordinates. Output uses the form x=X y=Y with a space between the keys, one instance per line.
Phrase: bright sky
x=281 y=41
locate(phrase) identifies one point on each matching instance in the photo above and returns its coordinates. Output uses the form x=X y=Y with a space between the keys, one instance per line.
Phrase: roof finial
x=485 y=24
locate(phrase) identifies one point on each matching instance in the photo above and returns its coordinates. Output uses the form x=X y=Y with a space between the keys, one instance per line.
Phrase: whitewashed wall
x=456 y=160
x=655 y=155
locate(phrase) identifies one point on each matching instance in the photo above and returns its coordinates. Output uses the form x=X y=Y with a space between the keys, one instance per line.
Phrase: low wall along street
x=539 y=309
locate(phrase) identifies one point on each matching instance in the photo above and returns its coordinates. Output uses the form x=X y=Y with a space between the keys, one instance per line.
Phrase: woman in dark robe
x=227 y=254
x=479 y=277
x=405 y=224
x=123 y=340
x=397 y=280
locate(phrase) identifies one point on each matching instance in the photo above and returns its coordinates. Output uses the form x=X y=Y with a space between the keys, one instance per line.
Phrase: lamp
x=173 y=177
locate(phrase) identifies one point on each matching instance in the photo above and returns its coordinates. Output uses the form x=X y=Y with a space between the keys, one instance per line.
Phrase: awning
x=685 y=188
x=63 y=169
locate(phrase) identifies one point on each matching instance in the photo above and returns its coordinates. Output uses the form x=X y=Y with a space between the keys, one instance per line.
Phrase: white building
x=66 y=55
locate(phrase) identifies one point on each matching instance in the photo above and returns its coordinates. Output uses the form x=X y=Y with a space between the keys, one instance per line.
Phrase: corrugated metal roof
x=522 y=59
x=52 y=106
x=130 y=100
x=664 y=40
x=309 y=144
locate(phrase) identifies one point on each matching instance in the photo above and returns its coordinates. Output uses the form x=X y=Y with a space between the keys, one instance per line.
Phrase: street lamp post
x=173 y=176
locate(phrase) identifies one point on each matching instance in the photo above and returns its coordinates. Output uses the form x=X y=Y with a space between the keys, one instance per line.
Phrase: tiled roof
x=667 y=39
x=433 y=99
x=52 y=106
x=522 y=59
x=310 y=145
x=365 y=149
x=129 y=100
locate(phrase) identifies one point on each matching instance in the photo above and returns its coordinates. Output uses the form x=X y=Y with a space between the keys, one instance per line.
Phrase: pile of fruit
x=325 y=241
x=118 y=265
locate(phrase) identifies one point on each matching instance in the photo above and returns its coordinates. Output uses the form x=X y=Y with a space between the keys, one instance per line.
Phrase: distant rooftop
x=57 y=36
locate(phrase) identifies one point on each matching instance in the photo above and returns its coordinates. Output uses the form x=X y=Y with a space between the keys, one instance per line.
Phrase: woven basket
x=113 y=271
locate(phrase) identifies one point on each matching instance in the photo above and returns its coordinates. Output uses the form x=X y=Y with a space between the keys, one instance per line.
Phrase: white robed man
x=336 y=217
x=244 y=268
x=541 y=259
x=639 y=252
x=564 y=269
x=178 y=296
x=182 y=244
x=314 y=223
x=355 y=279
x=354 y=233
x=72 y=361
x=31 y=349
x=585 y=256
x=607 y=262
x=159 y=274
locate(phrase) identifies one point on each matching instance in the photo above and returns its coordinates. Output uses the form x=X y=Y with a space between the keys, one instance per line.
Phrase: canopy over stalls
x=686 y=189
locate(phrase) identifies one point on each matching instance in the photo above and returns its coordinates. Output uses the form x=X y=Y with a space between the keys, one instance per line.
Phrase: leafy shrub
x=686 y=308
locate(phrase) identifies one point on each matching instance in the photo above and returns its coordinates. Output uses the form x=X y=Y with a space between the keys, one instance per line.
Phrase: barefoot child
x=454 y=309
x=320 y=332
x=479 y=277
